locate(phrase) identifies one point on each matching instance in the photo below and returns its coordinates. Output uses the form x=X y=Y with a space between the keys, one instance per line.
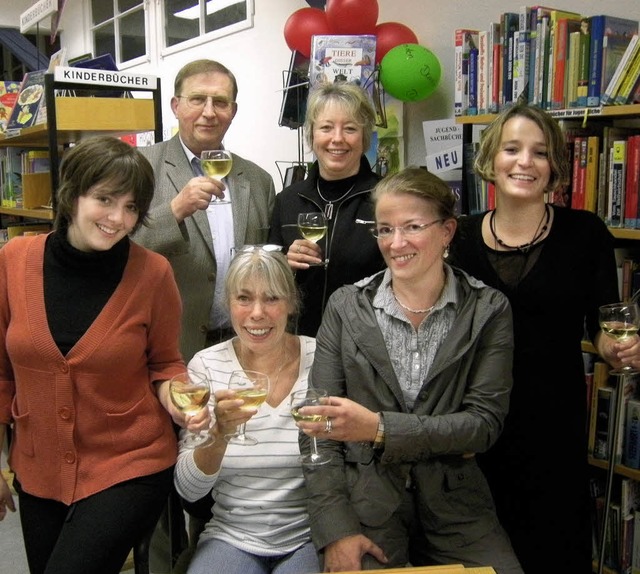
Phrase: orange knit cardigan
x=91 y=419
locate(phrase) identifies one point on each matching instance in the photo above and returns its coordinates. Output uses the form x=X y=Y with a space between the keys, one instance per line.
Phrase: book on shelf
x=591 y=179
x=604 y=421
x=347 y=58
x=508 y=26
x=9 y=91
x=564 y=26
x=30 y=99
x=584 y=61
x=572 y=63
x=473 y=82
x=634 y=98
x=609 y=135
x=609 y=95
x=632 y=182
x=465 y=39
x=635 y=558
x=522 y=44
x=626 y=542
x=579 y=172
x=484 y=57
x=10 y=176
x=598 y=428
x=596 y=493
x=617 y=181
x=629 y=83
x=632 y=435
x=610 y=37
x=495 y=67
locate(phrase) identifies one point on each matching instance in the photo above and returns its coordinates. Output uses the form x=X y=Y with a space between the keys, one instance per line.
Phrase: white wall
x=258 y=57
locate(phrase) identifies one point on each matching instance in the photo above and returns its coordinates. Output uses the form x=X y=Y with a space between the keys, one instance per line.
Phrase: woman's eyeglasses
x=267 y=247
x=386 y=231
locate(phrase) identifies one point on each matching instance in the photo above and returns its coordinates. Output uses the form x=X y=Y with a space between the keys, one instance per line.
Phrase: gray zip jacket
x=459 y=410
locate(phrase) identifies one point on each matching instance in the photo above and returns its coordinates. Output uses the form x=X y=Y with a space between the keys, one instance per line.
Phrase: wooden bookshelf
x=83 y=117
x=632 y=110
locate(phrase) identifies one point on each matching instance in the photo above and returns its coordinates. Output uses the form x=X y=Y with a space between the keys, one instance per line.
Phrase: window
x=122 y=27
x=118 y=28
x=188 y=22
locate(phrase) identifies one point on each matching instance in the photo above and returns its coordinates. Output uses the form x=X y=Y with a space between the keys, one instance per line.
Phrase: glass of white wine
x=620 y=321
x=216 y=163
x=252 y=387
x=309 y=398
x=313 y=226
x=190 y=393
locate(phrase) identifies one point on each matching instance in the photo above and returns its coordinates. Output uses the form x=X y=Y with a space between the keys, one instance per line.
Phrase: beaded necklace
x=524 y=248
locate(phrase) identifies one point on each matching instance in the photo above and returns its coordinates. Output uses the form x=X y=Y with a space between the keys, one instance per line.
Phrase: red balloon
x=392 y=34
x=303 y=24
x=352 y=16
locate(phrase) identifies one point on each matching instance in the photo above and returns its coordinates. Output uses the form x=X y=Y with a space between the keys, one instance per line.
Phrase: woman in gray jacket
x=417 y=363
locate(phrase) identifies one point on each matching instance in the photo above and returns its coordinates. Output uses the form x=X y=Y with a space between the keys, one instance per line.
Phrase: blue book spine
x=595 y=62
x=473 y=82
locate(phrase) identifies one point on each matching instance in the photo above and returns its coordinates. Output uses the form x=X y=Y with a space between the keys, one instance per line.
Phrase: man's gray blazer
x=188 y=246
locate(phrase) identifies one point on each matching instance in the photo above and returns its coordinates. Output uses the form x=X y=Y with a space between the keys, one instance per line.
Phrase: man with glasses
x=194 y=235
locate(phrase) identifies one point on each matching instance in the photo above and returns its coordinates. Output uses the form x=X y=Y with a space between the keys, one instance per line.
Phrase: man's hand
x=196 y=195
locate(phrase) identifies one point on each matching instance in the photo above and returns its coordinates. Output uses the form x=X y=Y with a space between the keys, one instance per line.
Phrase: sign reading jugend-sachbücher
x=104 y=77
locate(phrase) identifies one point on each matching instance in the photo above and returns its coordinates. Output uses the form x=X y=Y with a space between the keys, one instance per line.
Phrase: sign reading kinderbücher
x=38 y=12
x=104 y=78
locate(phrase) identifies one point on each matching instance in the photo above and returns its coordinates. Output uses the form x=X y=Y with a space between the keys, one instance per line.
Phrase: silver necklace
x=416 y=311
x=274 y=381
x=328 y=208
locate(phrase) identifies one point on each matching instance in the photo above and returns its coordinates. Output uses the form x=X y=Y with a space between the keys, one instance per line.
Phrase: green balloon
x=410 y=72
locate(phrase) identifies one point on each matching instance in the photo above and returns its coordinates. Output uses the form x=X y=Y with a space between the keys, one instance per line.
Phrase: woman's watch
x=378 y=442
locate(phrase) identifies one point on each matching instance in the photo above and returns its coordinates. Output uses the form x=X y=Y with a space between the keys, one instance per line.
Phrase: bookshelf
x=71 y=118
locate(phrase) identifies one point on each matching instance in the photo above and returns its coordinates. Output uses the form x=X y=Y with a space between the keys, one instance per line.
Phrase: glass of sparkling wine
x=313 y=226
x=252 y=387
x=190 y=393
x=620 y=321
x=309 y=398
x=216 y=163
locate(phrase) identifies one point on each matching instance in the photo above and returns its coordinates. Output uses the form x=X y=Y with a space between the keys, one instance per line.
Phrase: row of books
x=556 y=59
x=17 y=166
x=622 y=535
x=605 y=162
x=621 y=547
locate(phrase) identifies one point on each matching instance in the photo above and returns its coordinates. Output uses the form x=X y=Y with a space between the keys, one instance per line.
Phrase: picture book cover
x=29 y=100
x=9 y=91
x=347 y=58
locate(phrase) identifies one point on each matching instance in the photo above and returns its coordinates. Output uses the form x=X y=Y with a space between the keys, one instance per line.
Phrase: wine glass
x=313 y=226
x=252 y=387
x=620 y=321
x=216 y=163
x=309 y=398
x=190 y=393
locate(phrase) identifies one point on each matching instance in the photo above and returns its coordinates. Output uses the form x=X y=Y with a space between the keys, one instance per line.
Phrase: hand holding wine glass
x=216 y=163
x=190 y=393
x=252 y=387
x=313 y=227
x=620 y=321
x=310 y=398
